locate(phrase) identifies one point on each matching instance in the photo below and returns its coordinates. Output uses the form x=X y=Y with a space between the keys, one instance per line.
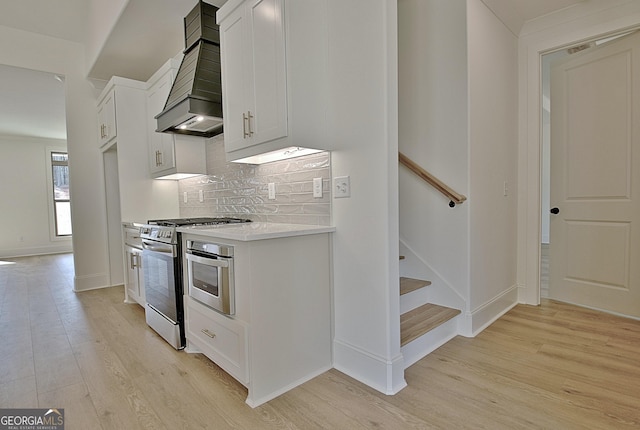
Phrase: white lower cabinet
x=134 y=276
x=222 y=339
x=135 y=280
x=280 y=335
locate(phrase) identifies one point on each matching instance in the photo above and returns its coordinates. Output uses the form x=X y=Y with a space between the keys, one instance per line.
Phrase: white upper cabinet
x=273 y=64
x=107 y=118
x=170 y=155
x=254 y=73
x=161 y=155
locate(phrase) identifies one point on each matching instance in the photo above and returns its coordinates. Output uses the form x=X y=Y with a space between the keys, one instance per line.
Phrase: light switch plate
x=341 y=187
x=317 y=188
x=272 y=191
x=201 y=195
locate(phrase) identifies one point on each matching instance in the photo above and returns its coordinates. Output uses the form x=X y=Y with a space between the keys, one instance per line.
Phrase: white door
x=595 y=178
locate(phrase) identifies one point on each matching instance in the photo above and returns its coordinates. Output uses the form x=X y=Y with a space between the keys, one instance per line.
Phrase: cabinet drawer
x=222 y=339
x=132 y=237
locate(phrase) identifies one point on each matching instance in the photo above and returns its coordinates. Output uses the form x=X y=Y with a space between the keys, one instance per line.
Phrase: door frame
x=569 y=27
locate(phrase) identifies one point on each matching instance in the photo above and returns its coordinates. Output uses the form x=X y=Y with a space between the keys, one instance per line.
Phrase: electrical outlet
x=341 y=187
x=201 y=195
x=184 y=197
x=317 y=187
x=272 y=191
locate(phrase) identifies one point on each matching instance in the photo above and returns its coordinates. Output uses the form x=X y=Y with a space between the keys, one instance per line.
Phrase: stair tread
x=419 y=321
x=408 y=285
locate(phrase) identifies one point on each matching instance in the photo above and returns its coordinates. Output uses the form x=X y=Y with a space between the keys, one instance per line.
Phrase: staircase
x=424 y=327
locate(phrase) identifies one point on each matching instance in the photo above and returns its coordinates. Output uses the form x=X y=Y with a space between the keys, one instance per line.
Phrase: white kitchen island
x=280 y=335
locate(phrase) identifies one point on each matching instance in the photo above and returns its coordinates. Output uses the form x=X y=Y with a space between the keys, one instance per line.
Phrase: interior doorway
x=586 y=252
x=34 y=166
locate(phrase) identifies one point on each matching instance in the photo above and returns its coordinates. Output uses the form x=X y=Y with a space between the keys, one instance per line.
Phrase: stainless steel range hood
x=194 y=105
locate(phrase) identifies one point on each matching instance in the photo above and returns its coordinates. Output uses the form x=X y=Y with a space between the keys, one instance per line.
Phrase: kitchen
x=361 y=127
x=91 y=257
x=161 y=266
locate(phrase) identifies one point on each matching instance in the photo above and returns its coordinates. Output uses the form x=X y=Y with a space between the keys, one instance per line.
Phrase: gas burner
x=179 y=222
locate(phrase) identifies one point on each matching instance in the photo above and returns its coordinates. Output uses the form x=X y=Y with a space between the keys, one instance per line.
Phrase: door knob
x=555 y=211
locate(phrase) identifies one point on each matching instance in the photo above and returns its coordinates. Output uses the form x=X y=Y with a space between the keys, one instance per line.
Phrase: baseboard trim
x=39 y=250
x=264 y=399
x=386 y=376
x=476 y=321
x=91 y=282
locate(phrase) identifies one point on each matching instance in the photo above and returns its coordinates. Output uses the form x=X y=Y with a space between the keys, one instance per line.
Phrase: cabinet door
x=236 y=74
x=132 y=260
x=269 y=85
x=141 y=293
x=107 y=119
x=161 y=154
x=254 y=74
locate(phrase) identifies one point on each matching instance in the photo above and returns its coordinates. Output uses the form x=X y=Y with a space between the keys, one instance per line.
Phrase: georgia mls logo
x=31 y=419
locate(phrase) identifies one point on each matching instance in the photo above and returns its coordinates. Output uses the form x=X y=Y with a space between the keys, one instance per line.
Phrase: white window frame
x=51 y=203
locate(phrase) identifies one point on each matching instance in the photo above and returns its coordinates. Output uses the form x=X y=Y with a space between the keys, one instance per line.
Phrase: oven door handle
x=207 y=261
x=162 y=248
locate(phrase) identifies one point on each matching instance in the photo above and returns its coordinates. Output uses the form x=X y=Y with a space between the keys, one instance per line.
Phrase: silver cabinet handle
x=135 y=260
x=249 y=116
x=244 y=126
x=208 y=333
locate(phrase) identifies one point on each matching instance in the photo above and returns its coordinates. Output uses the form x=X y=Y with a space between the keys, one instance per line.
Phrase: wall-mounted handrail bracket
x=455 y=197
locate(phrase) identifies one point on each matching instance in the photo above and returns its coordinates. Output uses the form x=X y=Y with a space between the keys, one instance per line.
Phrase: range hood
x=194 y=105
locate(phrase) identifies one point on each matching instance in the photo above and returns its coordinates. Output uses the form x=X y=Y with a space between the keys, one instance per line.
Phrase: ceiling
x=36 y=106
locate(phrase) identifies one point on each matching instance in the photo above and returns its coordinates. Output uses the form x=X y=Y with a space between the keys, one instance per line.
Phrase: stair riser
x=414 y=299
x=429 y=342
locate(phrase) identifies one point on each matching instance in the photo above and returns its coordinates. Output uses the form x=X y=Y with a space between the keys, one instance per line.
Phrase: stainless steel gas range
x=162 y=262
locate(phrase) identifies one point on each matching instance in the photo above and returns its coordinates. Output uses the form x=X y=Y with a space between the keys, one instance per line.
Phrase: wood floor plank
x=554 y=366
x=119 y=403
x=19 y=393
x=79 y=411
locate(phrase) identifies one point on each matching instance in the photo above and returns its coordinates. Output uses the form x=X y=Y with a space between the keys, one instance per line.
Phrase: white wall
x=25 y=197
x=493 y=137
x=458 y=119
x=32 y=51
x=433 y=131
x=362 y=122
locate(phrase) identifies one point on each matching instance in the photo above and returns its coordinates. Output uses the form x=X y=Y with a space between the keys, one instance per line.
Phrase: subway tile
x=232 y=189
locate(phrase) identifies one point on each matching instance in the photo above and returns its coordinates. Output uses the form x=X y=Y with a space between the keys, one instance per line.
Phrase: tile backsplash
x=241 y=190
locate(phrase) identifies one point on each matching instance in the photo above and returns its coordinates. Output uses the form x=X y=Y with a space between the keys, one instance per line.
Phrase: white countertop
x=256 y=230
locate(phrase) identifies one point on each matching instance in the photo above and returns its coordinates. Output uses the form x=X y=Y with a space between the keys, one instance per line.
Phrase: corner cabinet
x=274 y=63
x=170 y=154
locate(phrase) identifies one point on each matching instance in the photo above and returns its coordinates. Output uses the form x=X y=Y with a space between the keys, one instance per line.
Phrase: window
x=61 y=202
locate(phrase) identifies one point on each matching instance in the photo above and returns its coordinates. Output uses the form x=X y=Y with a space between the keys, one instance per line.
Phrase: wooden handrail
x=454 y=197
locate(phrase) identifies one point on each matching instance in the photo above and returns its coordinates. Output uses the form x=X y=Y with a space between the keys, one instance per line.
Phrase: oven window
x=160 y=284
x=205 y=278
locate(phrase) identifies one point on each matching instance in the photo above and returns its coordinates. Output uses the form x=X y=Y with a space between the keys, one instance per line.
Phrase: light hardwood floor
x=550 y=367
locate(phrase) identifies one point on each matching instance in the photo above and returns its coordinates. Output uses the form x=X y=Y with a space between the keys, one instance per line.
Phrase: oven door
x=159 y=261
x=211 y=281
